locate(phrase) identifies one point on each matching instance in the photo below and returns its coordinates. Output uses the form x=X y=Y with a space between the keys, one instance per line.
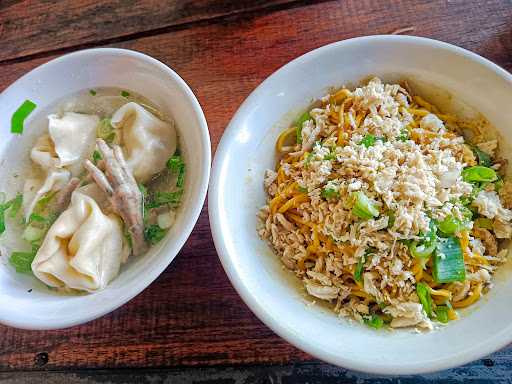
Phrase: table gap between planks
x=191 y=316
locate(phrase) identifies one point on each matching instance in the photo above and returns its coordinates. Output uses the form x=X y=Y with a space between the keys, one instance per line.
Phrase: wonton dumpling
x=73 y=136
x=83 y=248
x=147 y=141
x=71 y=139
x=34 y=190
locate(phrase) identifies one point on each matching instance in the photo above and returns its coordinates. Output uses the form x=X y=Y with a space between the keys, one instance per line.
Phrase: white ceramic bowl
x=236 y=193
x=89 y=69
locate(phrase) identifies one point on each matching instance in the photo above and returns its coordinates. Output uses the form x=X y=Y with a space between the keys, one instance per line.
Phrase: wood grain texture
x=191 y=315
x=29 y=27
x=495 y=370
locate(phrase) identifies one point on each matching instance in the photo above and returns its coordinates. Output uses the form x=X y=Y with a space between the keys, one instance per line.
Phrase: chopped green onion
x=479 y=173
x=368 y=140
x=301 y=120
x=374 y=321
x=404 y=135
x=329 y=193
x=483 y=158
x=422 y=250
x=16 y=204
x=96 y=156
x=423 y=292
x=391 y=218
x=125 y=93
x=176 y=165
x=358 y=273
x=483 y=222
x=20 y=115
x=163 y=198
x=106 y=131
x=45 y=201
x=450 y=225
x=92 y=92
x=34 y=217
x=153 y=233
x=363 y=207
x=331 y=155
x=32 y=233
x=442 y=314
x=22 y=261
x=308 y=159
x=448 y=263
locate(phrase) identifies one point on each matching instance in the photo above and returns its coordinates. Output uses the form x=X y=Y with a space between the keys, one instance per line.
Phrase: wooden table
x=190 y=325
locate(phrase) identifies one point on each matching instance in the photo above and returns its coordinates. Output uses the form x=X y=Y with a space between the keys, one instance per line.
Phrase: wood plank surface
x=29 y=27
x=496 y=370
x=191 y=315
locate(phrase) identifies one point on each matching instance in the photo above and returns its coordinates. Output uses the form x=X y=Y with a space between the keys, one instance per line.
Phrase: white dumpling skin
x=82 y=250
x=44 y=153
x=147 y=141
x=35 y=189
x=73 y=136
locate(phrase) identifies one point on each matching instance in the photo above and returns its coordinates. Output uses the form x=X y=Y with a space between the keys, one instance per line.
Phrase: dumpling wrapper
x=147 y=141
x=71 y=139
x=73 y=136
x=82 y=250
x=44 y=153
x=33 y=190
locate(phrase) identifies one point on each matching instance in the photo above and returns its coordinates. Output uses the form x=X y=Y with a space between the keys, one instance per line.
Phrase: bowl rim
x=277 y=325
x=192 y=215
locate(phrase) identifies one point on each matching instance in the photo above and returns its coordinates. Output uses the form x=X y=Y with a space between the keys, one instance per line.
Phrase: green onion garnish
x=18 y=117
x=404 y=135
x=34 y=217
x=22 y=261
x=479 y=173
x=450 y=225
x=92 y=92
x=301 y=120
x=448 y=263
x=358 y=273
x=483 y=158
x=153 y=233
x=442 y=314
x=45 y=201
x=125 y=93
x=422 y=250
x=423 y=292
x=96 y=156
x=106 y=131
x=363 y=207
x=329 y=193
x=176 y=165
x=164 y=198
x=14 y=205
x=374 y=321
x=33 y=233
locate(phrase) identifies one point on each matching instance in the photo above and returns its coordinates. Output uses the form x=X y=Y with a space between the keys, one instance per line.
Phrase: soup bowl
x=247 y=149
x=24 y=301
